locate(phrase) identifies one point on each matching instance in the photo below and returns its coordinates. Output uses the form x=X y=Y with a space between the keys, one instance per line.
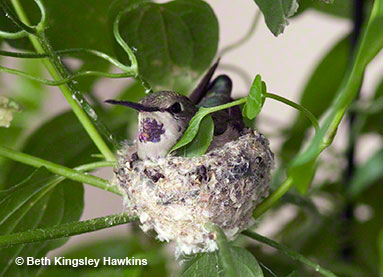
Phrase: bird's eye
x=175 y=108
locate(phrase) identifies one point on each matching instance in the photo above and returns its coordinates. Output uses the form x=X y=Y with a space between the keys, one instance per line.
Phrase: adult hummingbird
x=163 y=116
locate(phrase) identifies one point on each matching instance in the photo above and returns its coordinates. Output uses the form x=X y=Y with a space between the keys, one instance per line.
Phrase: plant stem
x=274 y=197
x=305 y=111
x=66 y=172
x=65 y=230
x=58 y=71
x=64 y=80
x=15 y=35
x=287 y=251
x=78 y=51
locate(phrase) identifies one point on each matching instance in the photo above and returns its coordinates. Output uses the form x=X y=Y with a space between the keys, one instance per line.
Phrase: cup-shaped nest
x=177 y=196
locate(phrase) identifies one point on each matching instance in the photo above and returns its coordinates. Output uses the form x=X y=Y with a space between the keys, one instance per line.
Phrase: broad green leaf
x=195 y=122
x=319 y=92
x=224 y=251
x=255 y=99
x=206 y=264
x=41 y=200
x=371 y=43
x=201 y=141
x=210 y=265
x=367 y=174
x=191 y=131
x=174 y=42
x=116 y=249
x=276 y=13
x=303 y=175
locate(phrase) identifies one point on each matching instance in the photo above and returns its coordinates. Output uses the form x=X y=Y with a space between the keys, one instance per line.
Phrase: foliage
x=169 y=46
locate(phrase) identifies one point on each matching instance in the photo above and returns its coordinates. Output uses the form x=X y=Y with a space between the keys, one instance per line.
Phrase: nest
x=177 y=196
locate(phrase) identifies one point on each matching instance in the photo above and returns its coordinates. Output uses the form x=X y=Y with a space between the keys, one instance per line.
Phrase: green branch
x=122 y=43
x=290 y=103
x=126 y=69
x=64 y=80
x=273 y=198
x=16 y=35
x=65 y=230
x=134 y=65
x=73 y=174
x=287 y=251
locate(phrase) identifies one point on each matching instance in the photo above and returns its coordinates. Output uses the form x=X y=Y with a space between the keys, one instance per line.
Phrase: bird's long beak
x=136 y=106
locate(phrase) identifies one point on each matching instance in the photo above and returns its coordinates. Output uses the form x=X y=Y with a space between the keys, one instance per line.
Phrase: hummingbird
x=164 y=116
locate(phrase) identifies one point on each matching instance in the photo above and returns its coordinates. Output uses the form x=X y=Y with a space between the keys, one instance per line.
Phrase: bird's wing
x=200 y=91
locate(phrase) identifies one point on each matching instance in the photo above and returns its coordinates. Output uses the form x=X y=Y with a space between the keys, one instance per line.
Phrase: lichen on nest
x=177 y=196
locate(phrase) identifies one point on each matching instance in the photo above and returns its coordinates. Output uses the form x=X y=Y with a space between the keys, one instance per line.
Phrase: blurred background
x=285 y=63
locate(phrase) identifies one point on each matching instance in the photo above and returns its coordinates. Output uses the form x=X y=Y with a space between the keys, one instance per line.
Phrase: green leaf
x=36 y=202
x=367 y=174
x=210 y=265
x=319 y=92
x=195 y=122
x=276 y=13
x=191 y=131
x=255 y=99
x=303 y=175
x=207 y=264
x=371 y=43
x=175 y=41
x=201 y=141
x=225 y=254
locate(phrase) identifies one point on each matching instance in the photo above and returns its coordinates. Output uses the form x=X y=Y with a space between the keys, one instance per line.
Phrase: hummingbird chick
x=162 y=120
x=164 y=116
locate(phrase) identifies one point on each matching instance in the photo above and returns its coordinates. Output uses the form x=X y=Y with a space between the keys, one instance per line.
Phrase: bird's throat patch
x=150 y=130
